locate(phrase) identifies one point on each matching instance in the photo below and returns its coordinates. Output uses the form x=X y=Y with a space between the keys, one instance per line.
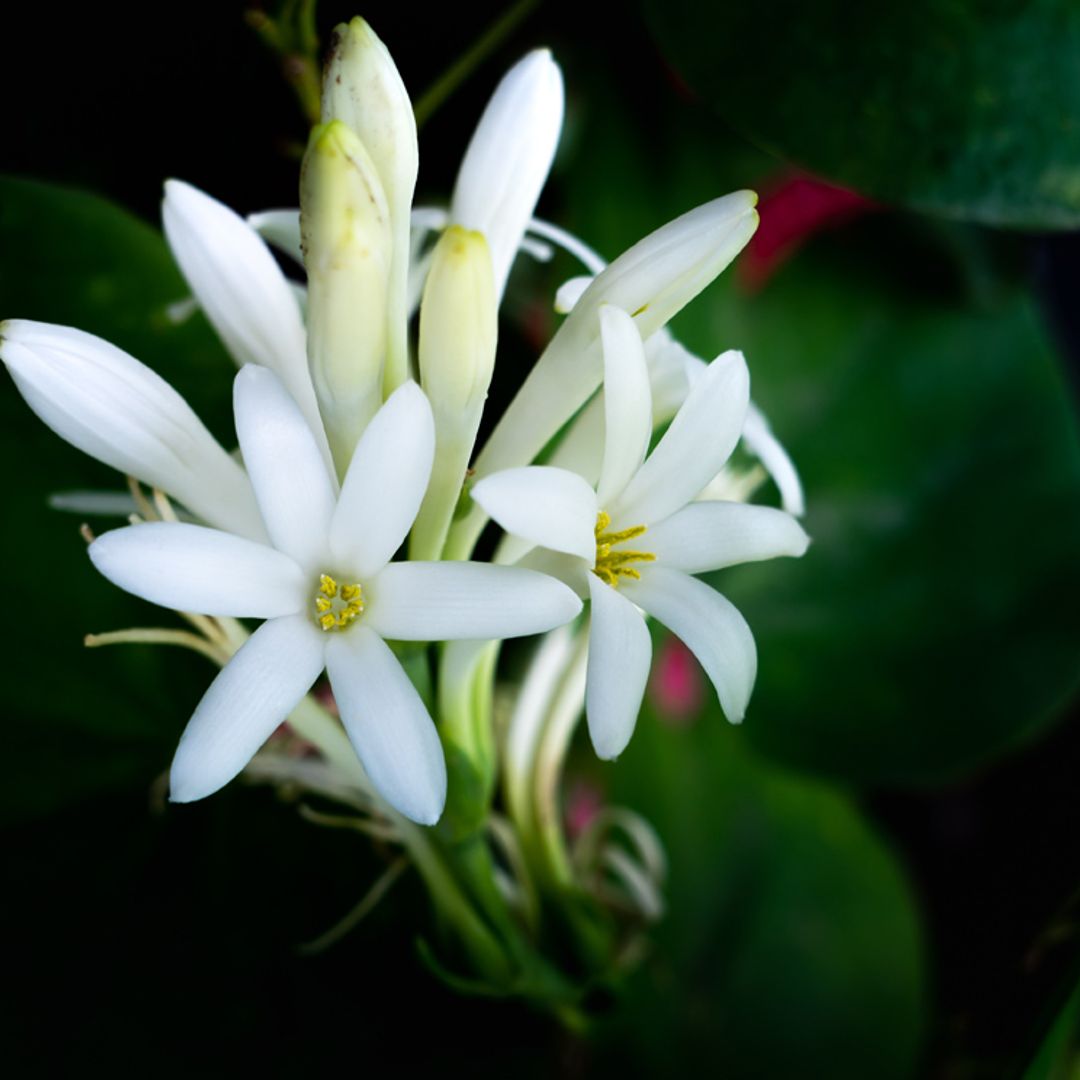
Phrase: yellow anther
x=337 y=607
x=612 y=565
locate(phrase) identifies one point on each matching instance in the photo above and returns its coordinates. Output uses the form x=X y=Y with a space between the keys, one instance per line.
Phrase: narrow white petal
x=509 y=158
x=292 y=484
x=570 y=292
x=581 y=251
x=388 y=724
x=627 y=402
x=191 y=568
x=385 y=483
x=581 y=449
x=669 y=380
x=241 y=288
x=711 y=535
x=709 y=625
x=107 y=404
x=760 y=441
x=447 y=601
x=551 y=507
x=692 y=451
x=281 y=228
x=620 y=652
x=252 y=695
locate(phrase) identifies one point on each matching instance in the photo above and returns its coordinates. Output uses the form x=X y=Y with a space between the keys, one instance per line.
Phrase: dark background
x=164 y=942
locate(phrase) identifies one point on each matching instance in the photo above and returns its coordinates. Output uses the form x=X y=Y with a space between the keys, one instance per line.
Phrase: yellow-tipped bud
x=363 y=89
x=345 y=231
x=458 y=336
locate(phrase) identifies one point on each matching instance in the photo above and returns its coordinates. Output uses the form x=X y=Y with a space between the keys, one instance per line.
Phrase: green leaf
x=1057 y=1057
x=932 y=624
x=790 y=946
x=966 y=109
x=79 y=721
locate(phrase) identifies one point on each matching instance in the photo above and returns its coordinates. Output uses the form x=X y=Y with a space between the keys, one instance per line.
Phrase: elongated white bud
x=345 y=226
x=652 y=281
x=509 y=158
x=363 y=89
x=458 y=335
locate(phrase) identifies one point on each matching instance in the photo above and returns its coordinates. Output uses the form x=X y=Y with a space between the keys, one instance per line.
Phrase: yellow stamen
x=337 y=607
x=613 y=565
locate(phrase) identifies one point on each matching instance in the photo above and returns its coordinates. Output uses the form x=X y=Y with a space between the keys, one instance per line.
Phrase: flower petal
x=551 y=507
x=447 y=601
x=191 y=568
x=699 y=441
x=107 y=404
x=627 y=402
x=388 y=724
x=709 y=625
x=760 y=441
x=253 y=694
x=241 y=288
x=292 y=484
x=281 y=228
x=385 y=483
x=620 y=652
x=711 y=535
x=509 y=158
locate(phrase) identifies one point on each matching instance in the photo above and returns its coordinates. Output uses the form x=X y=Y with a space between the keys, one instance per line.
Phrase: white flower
x=329 y=594
x=637 y=538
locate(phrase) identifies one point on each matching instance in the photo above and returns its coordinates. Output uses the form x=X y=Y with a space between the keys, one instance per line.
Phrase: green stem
x=460 y=69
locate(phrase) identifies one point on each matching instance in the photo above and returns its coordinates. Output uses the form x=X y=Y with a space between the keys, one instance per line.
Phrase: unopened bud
x=345 y=229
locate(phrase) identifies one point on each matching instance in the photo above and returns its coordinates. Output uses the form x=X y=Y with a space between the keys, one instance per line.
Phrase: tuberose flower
x=329 y=594
x=637 y=538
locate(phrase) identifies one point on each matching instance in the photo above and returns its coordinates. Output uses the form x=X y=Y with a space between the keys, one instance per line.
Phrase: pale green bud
x=347 y=243
x=458 y=336
x=362 y=88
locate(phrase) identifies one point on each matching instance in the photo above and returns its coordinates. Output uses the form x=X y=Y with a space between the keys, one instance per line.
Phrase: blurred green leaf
x=791 y=945
x=76 y=720
x=966 y=108
x=1057 y=1057
x=933 y=622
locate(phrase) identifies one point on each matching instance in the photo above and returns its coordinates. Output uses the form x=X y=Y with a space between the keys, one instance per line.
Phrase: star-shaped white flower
x=329 y=594
x=637 y=539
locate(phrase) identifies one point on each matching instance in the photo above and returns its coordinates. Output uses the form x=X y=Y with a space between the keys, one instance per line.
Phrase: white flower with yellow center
x=329 y=594
x=637 y=538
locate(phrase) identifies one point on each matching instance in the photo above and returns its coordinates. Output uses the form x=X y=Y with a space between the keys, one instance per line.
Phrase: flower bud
x=458 y=334
x=345 y=229
x=509 y=158
x=362 y=89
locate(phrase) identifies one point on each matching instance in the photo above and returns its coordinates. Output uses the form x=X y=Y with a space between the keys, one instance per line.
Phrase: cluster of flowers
x=349 y=520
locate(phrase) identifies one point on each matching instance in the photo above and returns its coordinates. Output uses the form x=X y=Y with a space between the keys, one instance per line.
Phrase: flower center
x=336 y=606
x=611 y=564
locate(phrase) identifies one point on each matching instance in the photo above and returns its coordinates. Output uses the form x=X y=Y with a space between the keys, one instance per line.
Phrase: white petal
x=653 y=280
x=191 y=568
x=669 y=381
x=551 y=507
x=509 y=158
x=388 y=724
x=709 y=625
x=620 y=652
x=581 y=449
x=280 y=228
x=252 y=695
x=570 y=292
x=385 y=483
x=241 y=288
x=760 y=441
x=110 y=406
x=692 y=451
x=447 y=601
x=292 y=484
x=711 y=535
x=627 y=402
